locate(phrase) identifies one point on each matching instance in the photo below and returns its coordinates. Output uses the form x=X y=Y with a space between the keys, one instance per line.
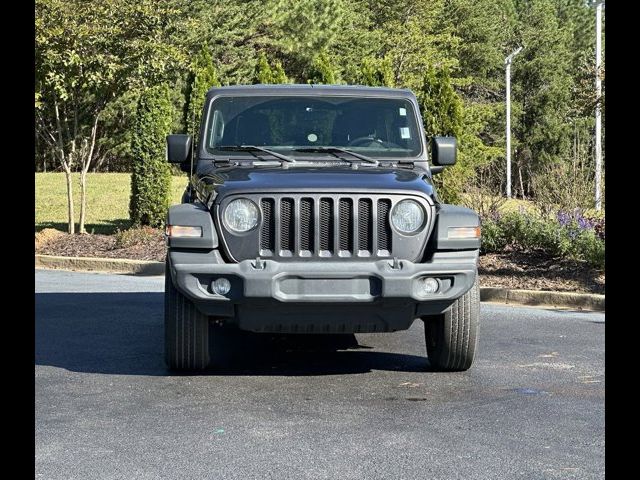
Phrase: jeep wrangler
x=311 y=210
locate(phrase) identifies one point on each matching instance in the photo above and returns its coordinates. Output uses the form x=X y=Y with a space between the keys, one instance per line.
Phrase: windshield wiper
x=253 y=149
x=334 y=150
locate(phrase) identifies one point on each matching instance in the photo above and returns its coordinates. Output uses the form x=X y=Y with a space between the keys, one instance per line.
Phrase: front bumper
x=331 y=296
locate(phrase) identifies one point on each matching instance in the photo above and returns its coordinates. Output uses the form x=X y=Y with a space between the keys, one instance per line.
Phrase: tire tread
x=186 y=330
x=452 y=336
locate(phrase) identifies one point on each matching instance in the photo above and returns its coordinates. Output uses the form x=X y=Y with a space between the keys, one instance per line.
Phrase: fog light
x=221 y=286
x=429 y=285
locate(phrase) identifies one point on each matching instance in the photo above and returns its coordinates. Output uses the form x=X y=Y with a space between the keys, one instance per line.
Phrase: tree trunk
x=71 y=225
x=86 y=162
x=67 y=163
x=83 y=200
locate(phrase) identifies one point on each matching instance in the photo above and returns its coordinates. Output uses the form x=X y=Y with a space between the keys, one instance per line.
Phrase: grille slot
x=365 y=232
x=306 y=224
x=384 y=228
x=326 y=225
x=346 y=224
x=287 y=227
x=267 y=237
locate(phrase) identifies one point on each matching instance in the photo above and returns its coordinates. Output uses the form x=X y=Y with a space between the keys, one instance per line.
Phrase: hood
x=319 y=179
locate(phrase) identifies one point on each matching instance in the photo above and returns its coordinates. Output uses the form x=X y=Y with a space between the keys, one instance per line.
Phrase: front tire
x=186 y=330
x=452 y=337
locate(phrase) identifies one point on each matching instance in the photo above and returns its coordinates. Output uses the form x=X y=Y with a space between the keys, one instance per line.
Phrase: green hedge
x=151 y=177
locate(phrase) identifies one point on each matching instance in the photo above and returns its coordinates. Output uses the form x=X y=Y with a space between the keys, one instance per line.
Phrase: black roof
x=310 y=89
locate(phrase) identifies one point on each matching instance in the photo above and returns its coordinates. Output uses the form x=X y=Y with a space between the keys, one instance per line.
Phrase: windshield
x=375 y=127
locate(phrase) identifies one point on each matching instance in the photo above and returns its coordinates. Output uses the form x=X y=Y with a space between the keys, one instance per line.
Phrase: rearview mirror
x=443 y=151
x=178 y=148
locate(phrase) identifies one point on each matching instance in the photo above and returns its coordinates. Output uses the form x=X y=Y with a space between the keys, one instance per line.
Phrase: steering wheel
x=362 y=141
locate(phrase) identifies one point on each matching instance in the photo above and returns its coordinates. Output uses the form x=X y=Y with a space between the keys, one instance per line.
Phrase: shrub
x=151 y=177
x=588 y=246
x=136 y=236
x=572 y=187
x=493 y=237
x=565 y=235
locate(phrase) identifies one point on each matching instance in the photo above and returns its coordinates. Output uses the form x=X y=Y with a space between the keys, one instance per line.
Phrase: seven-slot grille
x=325 y=227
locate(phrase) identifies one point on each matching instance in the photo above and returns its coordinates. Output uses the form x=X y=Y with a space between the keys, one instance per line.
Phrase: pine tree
x=541 y=85
x=322 y=71
x=278 y=75
x=376 y=72
x=262 y=73
x=265 y=73
x=203 y=76
x=442 y=114
x=440 y=104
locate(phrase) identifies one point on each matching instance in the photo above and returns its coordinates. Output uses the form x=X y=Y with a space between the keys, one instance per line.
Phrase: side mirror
x=178 y=148
x=443 y=151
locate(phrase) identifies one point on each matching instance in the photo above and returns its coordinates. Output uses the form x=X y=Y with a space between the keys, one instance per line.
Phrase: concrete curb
x=582 y=301
x=114 y=265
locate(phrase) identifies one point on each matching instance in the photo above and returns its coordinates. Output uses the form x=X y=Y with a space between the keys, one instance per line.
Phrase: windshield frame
x=207 y=154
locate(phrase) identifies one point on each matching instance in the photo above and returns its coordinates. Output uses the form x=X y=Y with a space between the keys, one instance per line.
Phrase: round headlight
x=241 y=215
x=407 y=216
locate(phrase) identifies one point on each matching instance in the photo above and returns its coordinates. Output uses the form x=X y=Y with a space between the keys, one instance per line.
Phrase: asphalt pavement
x=339 y=407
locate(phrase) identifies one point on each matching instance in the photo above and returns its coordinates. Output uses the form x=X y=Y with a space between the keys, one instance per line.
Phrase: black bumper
x=322 y=297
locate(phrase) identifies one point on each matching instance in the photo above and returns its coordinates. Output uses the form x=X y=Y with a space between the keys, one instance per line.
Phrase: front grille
x=325 y=227
x=330 y=226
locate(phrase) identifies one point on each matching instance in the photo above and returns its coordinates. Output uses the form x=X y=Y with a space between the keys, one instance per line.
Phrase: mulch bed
x=539 y=271
x=511 y=269
x=105 y=246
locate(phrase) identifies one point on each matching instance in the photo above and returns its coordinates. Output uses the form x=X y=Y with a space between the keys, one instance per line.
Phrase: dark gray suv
x=311 y=210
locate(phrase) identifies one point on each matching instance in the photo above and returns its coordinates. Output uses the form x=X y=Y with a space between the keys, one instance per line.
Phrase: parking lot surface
x=345 y=407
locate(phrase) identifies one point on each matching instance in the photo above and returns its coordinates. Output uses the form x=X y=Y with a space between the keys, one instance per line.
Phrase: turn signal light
x=177 y=231
x=464 y=232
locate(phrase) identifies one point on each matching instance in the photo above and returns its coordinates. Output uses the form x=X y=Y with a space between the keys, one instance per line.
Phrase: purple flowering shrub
x=567 y=234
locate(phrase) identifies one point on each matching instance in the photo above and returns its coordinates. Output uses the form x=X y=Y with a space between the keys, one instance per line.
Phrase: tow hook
x=259 y=264
x=396 y=265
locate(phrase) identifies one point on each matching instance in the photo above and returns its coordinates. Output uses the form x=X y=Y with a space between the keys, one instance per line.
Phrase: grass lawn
x=107 y=200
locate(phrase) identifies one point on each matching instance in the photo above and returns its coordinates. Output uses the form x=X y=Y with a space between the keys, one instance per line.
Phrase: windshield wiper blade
x=338 y=150
x=334 y=153
x=253 y=148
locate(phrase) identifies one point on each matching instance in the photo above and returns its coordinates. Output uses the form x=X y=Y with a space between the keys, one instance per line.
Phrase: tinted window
x=373 y=126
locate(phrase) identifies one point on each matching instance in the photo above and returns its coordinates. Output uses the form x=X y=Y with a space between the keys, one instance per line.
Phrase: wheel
x=186 y=330
x=452 y=337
